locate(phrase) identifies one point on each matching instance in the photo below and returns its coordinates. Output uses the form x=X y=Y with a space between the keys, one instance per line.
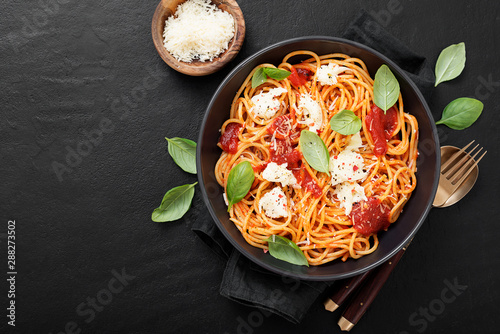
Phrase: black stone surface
x=72 y=69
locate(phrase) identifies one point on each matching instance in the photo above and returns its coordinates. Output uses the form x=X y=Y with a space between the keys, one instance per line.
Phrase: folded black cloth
x=365 y=30
x=247 y=283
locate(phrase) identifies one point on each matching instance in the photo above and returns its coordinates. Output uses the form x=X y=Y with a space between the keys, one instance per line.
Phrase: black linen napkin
x=245 y=282
x=367 y=31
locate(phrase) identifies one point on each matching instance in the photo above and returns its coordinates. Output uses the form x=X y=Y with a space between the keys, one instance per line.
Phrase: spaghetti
x=372 y=172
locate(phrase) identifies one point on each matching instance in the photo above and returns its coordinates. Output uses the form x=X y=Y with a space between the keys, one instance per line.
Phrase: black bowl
x=398 y=235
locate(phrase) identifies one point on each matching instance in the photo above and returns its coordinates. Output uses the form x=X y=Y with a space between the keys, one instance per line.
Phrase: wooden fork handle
x=343 y=289
x=367 y=293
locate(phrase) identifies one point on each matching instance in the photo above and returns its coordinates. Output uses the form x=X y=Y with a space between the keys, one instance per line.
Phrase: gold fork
x=453 y=173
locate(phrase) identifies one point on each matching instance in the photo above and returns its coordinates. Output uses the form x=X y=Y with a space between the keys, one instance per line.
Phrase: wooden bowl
x=167 y=8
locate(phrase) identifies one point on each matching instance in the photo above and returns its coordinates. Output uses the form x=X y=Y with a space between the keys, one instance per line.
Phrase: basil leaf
x=385 y=88
x=461 y=113
x=239 y=181
x=286 y=250
x=450 y=63
x=175 y=203
x=183 y=151
x=258 y=78
x=314 y=151
x=345 y=122
x=276 y=73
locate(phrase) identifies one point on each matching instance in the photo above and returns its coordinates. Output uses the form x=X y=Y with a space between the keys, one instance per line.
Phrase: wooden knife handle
x=343 y=289
x=367 y=293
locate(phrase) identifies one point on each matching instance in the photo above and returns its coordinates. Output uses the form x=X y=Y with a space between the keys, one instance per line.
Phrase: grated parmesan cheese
x=198 y=30
x=333 y=103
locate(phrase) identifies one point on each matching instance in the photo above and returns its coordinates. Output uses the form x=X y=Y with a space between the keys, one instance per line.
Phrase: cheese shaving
x=198 y=30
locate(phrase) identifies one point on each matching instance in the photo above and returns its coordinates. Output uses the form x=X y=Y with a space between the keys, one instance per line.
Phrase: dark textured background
x=68 y=67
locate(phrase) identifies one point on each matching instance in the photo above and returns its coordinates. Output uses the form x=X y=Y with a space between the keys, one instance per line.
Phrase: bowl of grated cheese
x=198 y=37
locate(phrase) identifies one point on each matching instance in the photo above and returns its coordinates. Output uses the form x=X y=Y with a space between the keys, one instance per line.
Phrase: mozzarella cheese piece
x=265 y=104
x=349 y=193
x=279 y=173
x=346 y=168
x=348 y=165
x=327 y=74
x=355 y=142
x=274 y=203
x=311 y=110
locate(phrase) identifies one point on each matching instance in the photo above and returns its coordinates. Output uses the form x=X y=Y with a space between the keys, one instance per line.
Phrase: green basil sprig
x=183 y=151
x=175 y=203
x=450 y=63
x=314 y=151
x=276 y=73
x=385 y=88
x=260 y=76
x=461 y=113
x=345 y=122
x=239 y=182
x=286 y=250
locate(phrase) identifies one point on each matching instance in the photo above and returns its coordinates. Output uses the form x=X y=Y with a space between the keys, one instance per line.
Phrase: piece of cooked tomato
x=229 y=139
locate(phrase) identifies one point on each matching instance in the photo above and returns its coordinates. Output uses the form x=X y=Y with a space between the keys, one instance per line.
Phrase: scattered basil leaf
x=183 y=151
x=314 y=151
x=239 y=182
x=276 y=73
x=259 y=77
x=385 y=88
x=461 y=113
x=175 y=203
x=345 y=122
x=450 y=63
x=286 y=250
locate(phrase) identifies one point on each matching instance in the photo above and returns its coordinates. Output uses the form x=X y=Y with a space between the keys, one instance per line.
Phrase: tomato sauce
x=370 y=216
x=229 y=139
x=390 y=122
x=381 y=127
x=283 y=151
x=305 y=73
x=282 y=128
x=260 y=167
x=299 y=76
x=306 y=181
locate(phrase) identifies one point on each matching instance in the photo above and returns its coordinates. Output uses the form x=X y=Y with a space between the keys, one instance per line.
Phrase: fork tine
x=455 y=156
x=459 y=178
x=465 y=160
x=458 y=174
x=482 y=155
